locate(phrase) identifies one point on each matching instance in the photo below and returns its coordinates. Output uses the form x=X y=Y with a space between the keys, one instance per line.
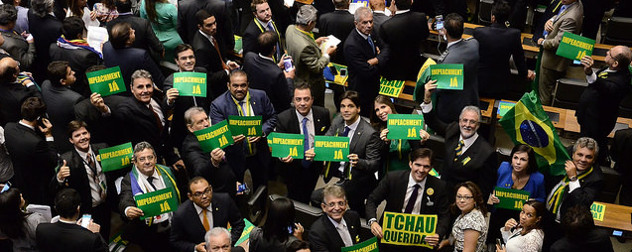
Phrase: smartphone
x=243 y=188
x=287 y=63
x=499 y=242
x=85 y=220
x=290 y=229
x=439 y=22
x=617 y=233
x=343 y=72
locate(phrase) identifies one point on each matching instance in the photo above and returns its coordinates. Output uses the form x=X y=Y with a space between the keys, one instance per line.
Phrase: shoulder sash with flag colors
x=422 y=77
x=527 y=123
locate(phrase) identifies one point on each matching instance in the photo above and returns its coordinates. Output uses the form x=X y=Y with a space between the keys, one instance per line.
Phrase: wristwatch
x=573 y=178
x=371 y=221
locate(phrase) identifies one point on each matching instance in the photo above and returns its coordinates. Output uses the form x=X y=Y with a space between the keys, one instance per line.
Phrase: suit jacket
x=338 y=23
x=45 y=30
x=21 y=50
x=269 y=78
x=378 y=20
x=34 y=160
x=145 y=36
x=250 y=35
x=187 y=23
x=187 y=229
x=497 y=44
x=288 y=123
x=206 y=56
x=477 y=164
x=11 y=97
x=569 y=21
x=101 y=126
x=591 y=185
x=598 y=106
x=59 y=106
x=59 y=236
x=392 y=188
x=79 y=60
x=131 y=59
x=308 y=60
x=450 y=102
x=595 y=240
x=324 y=237
x=404 y=33
x=199 y=163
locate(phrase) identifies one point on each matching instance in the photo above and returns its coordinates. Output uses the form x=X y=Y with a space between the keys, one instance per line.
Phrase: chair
x=567 y=93
x=257 y=205
x=612 y=183
x=618 y=32
x=485 y=12
x=625 y=108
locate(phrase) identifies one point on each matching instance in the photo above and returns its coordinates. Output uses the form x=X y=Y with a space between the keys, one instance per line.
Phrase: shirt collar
x=265 y=25
x=26 y=125
x=454 y=42
x=401 y=11
x=354 y=125
x=154 y=175
x=362 y=34
x=378 y=11
x=209 y=37
x=265 y=57
x=412 y=182
x=468 y=142
x=84 y=154
x=336 y=224
x=309 y=115
x=198 y=209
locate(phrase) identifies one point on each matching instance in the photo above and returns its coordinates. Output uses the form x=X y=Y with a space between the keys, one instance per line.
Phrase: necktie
x=458 y=150
x=205 y=222
x=156 y=117
x=150 y=180
x=95 y=175
x=371 y=44
x=346 y=131
x=345 y=235
x=306 y=145
x=91 y=164
x=219 y=54
x=277 y=54
x=412 y=199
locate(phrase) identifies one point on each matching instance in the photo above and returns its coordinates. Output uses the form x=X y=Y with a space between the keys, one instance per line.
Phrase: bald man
x=599 y=104
x=13 y=91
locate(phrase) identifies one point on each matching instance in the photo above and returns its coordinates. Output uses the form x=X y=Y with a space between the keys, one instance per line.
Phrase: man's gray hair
x=361 y=12
x=190 y=113
x=473 y=109
x=306 y=14
x=216 y=231
x=141 y=147
x=588 y=143
x=141 y=74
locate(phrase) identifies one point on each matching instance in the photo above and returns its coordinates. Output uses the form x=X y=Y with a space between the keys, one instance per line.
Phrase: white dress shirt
x=94 y=185
x=343 y=231
x=409 y=192
x=309 y=125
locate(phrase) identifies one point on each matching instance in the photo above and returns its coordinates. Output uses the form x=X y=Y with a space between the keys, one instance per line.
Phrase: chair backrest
x=618 y=32
x=485 y=12
x=625 y=108
x=567 y=93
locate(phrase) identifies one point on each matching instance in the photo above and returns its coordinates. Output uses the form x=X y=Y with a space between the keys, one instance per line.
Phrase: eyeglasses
x=465 y=198
x=147 y=158
x=466 y=121
x=222 y=248
x=339 y=203
x=206 y=191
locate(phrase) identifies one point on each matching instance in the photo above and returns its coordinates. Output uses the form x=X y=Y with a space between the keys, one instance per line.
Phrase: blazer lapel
x=401 y=190
x=332 y=230
x=199 y=228
x=353 y=230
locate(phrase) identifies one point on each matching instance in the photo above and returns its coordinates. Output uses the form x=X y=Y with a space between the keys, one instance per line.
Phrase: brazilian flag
x=527 y=123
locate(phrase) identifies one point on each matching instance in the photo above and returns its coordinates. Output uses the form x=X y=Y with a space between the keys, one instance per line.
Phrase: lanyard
x=309 y=34
x=241 y=112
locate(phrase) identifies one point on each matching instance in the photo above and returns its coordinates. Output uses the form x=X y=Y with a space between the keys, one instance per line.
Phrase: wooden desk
x=616 y=217
x=486 y=112
x=573 y=126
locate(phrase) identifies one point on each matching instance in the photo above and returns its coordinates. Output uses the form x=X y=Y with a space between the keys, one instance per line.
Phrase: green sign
x=190 y=83
x=216 y=136
x=598 y=210
x=117 y=244
x=331 y=148
x=504 y=106
x=369 y=245
x=575 y=47
x=448 y=76
x=157 y=203
x=408 y=229
x=392 y=88
x=116 y=157
x=238 y=44
x=106 y=82
x=245 y=125
x=510 y=198
x=245 y=235
x=404 y=126
x=283 y=145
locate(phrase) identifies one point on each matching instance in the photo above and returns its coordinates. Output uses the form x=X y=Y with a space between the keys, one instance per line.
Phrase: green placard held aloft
x=238 y=44
x=575 y=47
x=404 y=126
x=392 y=88
x=216 y=136
x=245 y=235
x=331 y=148
x=116 y=157
x=190 y=83
x=245 y=125
x=283 y=145
x=157 y=203
x=510 y=198
x=448 y=76
x=106 y=82
x=369 y=245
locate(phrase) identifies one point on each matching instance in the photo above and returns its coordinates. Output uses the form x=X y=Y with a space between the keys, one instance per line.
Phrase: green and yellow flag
x=527 y=123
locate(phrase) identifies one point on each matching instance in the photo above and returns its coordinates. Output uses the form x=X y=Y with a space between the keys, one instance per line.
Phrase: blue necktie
x=278 y=53
x=562 y=9
x=346 y=131
x=372 y=44
x=305 y=163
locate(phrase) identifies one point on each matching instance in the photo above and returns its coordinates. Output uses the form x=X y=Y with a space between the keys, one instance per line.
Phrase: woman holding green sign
x=526 y=235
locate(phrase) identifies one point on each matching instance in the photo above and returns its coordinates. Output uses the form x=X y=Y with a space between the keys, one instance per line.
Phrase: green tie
x=458 y=150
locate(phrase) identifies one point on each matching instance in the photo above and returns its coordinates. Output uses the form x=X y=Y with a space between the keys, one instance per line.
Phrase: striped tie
x=458 y=150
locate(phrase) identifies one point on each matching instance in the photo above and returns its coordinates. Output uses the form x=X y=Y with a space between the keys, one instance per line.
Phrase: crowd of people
x=54 y=125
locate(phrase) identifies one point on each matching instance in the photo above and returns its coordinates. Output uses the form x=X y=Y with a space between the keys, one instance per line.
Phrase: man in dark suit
x=118 y=51
x=60 y=100
x=458 y=51
x=13 y=91
x=187 y=20
x=338 y=227
x=365 y=59
x=203 y=211
x=338 y=23
x=251 y=152
x=302 y=175
x=271 y=77
x=145 y=118
x=404 y=33
x=357 y=175
x=581 y=234
x=208 y=53
x=146 y=38
x=66 y=234
x=17 y=46
x=416 y=193
x=598 y=107
x=379 y=15
x=213 y=169
x=468 y=155
x=83 y=172
x=151 y=234
x=497 y=43
x=45 y=29
x=33 y=152
x=72 y=48
x=261 y=23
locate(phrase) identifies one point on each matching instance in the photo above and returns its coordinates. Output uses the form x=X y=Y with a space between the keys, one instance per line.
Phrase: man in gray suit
x=459 y=51
x=19 y=48
x=308 y=58
x=553 y=67
x=379 y=15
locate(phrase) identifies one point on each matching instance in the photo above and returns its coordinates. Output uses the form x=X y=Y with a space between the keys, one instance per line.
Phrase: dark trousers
x=101 y=215
x=301 y=182
x=149 y=238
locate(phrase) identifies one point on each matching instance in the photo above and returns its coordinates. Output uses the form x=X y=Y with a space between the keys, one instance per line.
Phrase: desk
x=616 y=217
x=573 y=126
